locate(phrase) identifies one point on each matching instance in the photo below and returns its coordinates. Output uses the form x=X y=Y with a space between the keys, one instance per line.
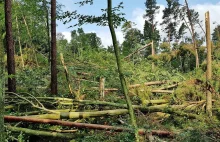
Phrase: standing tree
x=193 y=19
x=53 y=49
x=120 y=71
x=10 y=47
x=170 y=15
x=113 y=19
x=151 y=11
x=132 y=38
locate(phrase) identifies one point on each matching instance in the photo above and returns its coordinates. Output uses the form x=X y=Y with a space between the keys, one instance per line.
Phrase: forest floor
x=165 y=101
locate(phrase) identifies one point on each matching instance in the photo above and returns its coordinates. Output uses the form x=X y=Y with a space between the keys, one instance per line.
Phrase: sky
x=134 y=10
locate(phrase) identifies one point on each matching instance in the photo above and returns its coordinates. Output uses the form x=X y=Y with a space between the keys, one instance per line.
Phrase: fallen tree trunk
x=80 y=115
x=85 y=125
x=127 y=57
x=88 y=102
x=174 y=109
x=150 y=83
x=116 y=89
x=40 y=133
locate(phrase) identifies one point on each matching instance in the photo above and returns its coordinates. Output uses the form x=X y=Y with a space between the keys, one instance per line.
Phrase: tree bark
x=209 y=65
x=53 y=49
x=119 y=65
x=84 y=125
x=10 y=47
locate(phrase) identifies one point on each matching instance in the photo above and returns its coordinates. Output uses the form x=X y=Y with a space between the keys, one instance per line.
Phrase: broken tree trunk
x=19 y=42
x=66 y=73
x=209 y=66
x=77 y=115
x=127 y=57
x=102 y=87
x=193 y=34
x=88 y=102
x=85 y=125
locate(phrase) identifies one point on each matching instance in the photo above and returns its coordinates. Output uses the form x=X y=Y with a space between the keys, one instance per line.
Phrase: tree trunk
x=209 y=65
x=2 y=84
x=10 y=48
x=84 y=125
x=193 y=35
x=121 y=75
x=53 y=49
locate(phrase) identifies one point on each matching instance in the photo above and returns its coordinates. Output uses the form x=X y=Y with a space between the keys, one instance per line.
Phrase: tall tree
x=10 y=47
x=151 y=11
x=53 y=49
x=170 y=15
x=192 y=18
x=120 y=70
x=132 y=38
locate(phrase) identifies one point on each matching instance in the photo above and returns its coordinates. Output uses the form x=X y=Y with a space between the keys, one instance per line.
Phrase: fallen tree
x=85 y=125
x=40 y=133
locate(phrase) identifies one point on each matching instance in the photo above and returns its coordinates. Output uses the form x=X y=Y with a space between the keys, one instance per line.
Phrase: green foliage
x=132 y=38
x=170 y=15
x=102 y=20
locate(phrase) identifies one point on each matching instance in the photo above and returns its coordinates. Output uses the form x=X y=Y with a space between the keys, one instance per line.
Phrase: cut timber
x=40 y=133
x=84 y=125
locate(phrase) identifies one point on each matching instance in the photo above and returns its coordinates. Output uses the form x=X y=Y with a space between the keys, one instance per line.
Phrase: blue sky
x=134 y=10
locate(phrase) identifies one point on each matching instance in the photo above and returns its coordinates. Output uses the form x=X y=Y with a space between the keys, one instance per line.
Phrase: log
x=80 y=115
x=40 y=133
x=149 y=83
x=173 y=109
x=85 y=125
x=89 y=102
x=116 y=89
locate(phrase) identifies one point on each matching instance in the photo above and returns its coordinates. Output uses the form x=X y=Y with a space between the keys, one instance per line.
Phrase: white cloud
x=106 y=36
x=67 y=35
x=138 y=19
x=214 y=14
